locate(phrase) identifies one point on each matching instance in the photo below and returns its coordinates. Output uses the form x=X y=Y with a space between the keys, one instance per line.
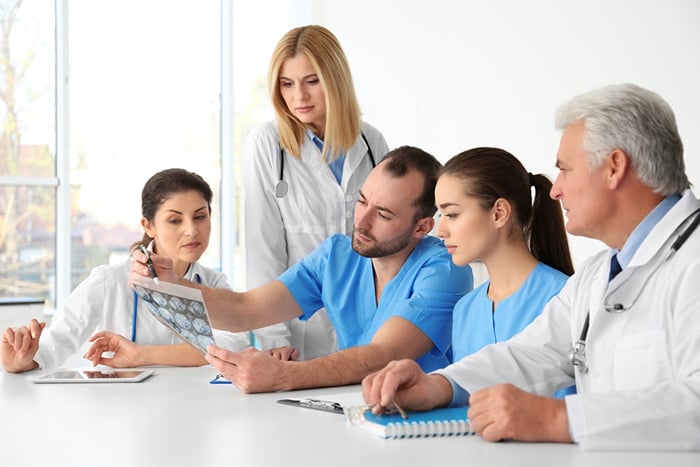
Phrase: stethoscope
x=281 y=187
x=617 y=302
x=197 y=279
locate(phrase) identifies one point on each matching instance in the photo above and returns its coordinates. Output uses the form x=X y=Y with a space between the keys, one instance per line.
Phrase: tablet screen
x=94 y=376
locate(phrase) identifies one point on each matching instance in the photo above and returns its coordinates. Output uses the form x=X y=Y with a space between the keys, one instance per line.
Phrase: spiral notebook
x=451 y=421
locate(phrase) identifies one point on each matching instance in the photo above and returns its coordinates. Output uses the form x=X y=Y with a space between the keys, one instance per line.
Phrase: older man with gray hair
x=625 y=327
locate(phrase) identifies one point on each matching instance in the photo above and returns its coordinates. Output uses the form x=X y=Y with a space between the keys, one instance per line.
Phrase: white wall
x=447 y=75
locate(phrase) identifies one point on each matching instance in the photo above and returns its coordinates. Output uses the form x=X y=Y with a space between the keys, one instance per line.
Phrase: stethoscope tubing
x=578 y=351
x=282 y=187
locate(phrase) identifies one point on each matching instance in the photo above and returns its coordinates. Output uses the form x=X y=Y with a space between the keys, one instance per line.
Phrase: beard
x=381 y=249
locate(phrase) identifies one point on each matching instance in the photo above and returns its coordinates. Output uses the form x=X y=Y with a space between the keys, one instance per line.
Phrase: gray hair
x=637 y=121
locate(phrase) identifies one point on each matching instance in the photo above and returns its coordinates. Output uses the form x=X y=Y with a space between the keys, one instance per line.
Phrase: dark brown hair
x=402 y=159
x=488 y=174
x=165 y=184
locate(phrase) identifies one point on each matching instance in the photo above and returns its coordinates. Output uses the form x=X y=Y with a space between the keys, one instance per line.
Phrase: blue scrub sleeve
x=304 y=280
x=437 y=289
x=460 y=396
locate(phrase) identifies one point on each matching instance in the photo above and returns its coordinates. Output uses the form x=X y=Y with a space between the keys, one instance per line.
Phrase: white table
x=176 y=418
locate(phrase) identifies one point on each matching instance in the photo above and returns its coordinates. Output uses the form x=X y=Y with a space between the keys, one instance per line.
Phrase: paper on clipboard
x=180 y=308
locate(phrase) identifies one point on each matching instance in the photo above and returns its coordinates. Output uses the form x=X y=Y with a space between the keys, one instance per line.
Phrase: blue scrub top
x=424 y=292
x=476 y=325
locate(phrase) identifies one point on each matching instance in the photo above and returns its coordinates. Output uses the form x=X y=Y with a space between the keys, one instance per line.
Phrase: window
x=144 y=96
x=146 y=82
x=27 y=149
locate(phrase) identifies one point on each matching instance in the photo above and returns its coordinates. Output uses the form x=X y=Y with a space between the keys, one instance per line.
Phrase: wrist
x=143 y=355
x=560 y=423
x=441 y=390
x=21 y=368
x=286 y=377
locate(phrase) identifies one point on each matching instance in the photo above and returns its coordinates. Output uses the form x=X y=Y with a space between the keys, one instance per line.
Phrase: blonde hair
x=343 y=123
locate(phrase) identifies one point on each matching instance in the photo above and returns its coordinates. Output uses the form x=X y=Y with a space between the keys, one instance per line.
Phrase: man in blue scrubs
x=389 y=290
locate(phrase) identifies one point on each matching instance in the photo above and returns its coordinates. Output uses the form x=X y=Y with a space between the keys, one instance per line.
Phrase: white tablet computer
x=93 y=375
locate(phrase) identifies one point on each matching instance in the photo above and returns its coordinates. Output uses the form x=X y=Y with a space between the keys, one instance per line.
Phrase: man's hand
x=250 y=370
x=286 y=353
x=19 y=345
x=504 y=412
x=405 y=383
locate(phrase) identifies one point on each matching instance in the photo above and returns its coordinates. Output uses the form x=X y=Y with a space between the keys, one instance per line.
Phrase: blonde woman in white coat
x=302 y=172
x=176 y=208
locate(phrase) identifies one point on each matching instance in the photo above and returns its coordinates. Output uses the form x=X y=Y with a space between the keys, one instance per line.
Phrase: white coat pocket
x=641 y=360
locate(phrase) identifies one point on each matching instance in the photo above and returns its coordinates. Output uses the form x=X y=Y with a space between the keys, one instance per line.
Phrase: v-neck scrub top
x=475 y=324
x=423 y=292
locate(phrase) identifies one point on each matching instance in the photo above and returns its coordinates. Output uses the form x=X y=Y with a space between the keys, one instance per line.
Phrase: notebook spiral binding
x=428 y=429
x=448 y=421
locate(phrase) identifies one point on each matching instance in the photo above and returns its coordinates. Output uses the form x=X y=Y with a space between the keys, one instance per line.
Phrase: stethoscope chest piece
x=281 y=189
x=577 y=356
x=624 y=301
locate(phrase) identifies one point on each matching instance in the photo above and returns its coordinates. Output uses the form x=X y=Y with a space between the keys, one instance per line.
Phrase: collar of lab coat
x=311 y=155
x=665 y=228
x=659 y=235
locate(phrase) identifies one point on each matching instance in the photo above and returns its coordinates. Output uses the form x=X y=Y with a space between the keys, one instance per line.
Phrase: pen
x=401 y=411
x=149 y=263
x=388 y=411
x=220 y=379
x=317 y=404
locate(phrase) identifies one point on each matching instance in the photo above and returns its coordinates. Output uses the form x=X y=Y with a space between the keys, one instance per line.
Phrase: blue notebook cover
x=451 y=421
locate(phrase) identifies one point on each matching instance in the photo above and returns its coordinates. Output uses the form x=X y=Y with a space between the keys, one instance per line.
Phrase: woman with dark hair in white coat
x=176 y=209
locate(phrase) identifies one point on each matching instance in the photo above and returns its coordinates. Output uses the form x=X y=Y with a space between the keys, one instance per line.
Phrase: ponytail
x=546 y=231
x=492 y=173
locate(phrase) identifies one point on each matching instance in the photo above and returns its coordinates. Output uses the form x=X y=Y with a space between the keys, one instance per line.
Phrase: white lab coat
x=642 y=390
x=104 y=301
x=279 y=232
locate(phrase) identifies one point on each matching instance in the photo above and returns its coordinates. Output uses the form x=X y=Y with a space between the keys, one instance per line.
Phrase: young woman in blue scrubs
x=487 y=214
x=176 y=208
